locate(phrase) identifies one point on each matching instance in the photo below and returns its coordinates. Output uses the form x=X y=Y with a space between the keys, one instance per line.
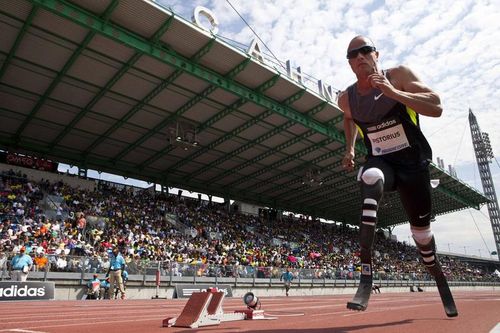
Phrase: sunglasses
x=364 y=50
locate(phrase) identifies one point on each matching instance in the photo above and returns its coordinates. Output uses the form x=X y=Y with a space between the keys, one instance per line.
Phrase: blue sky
x=452 y=45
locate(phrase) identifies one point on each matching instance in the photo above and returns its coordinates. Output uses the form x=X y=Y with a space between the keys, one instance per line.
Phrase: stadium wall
x=38 y=175
x=72 y=286
x=63 y=292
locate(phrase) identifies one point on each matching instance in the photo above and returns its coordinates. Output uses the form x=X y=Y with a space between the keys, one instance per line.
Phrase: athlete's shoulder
x=343 y=95
x=400 y=72
x=400 y=75
x=343 y=99
x=398 y=69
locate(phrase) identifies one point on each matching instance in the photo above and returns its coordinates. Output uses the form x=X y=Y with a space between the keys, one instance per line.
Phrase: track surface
x=387 y=312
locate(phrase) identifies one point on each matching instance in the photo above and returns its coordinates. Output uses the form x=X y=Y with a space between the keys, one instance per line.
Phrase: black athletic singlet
x=389 y=129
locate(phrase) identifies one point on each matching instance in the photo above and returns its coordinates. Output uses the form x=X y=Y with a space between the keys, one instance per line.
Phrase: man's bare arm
x=406 y=87
x=350 y=131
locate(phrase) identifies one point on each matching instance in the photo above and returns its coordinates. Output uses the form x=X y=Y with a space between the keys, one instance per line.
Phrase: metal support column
x=484 y=155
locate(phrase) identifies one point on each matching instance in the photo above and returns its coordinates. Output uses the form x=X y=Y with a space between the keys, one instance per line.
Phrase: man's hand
x=348 y=161
x=378 y=80
x=406 y=88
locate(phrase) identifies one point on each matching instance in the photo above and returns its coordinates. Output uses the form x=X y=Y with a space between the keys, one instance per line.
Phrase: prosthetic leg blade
x=446 y=296
x=360 y=300
x=430 y=259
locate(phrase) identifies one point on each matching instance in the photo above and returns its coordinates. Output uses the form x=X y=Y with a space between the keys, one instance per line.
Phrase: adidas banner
x=21 y=291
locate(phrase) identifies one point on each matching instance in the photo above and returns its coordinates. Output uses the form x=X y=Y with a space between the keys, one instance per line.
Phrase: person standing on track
x=124 y=280
x=116 y=267
x=287 y=278
x=384 y=106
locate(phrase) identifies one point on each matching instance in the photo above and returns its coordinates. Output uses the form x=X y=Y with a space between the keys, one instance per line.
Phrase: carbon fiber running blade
x=446 y=296
x=360 y=300
x=356 y=306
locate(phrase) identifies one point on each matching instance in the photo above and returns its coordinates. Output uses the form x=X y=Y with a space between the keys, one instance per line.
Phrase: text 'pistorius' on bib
x=387 y=137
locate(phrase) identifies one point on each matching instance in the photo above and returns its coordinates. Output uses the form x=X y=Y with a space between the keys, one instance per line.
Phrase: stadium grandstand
x=129 y=88
x=188 y=238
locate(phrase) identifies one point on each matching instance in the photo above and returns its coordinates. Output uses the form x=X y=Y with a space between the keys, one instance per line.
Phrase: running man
x=384 y=106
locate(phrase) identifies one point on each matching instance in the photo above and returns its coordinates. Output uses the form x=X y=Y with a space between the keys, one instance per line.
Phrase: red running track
x=387 y=312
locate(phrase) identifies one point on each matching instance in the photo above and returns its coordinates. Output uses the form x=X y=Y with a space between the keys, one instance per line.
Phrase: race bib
x=387 y=137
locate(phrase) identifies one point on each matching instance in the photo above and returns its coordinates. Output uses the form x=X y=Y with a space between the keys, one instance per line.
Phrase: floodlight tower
x=484 y=155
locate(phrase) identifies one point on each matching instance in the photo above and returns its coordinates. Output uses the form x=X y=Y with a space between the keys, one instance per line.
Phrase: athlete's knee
x=422 y=235
x=373 y=183
x=372 y=175
x=427 y=248
x=426 y=245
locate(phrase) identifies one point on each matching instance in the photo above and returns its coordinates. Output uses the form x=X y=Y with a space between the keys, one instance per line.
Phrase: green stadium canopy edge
x=130 y=88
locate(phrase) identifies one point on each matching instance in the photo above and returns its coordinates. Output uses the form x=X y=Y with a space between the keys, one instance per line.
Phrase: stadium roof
x=129 y=88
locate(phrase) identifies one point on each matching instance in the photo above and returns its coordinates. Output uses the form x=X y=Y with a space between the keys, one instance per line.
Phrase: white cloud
x=452 y=45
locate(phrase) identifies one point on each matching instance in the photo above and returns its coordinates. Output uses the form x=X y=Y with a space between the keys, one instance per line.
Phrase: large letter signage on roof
x=200 y=10
x=254 y=50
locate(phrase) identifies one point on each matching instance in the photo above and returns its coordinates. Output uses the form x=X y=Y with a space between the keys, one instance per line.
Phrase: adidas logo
x=14 y=291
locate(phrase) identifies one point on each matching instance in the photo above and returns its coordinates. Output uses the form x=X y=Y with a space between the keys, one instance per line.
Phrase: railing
x=143 y=272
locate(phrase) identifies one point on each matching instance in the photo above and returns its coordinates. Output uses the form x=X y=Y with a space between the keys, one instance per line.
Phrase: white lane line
x=270 y=313
x=72 y=314
x=96 y=321
x=293 y=308
x=496 y=329
x=20 y=330
x=329 y=313
x=61 y=320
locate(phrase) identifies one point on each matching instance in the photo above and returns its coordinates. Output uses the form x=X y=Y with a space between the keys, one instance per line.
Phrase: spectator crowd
x=57 y=225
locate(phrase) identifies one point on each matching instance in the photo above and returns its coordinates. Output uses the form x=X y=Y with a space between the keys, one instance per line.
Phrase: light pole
x=479 y=252
x=449 y=247
x=465 y=249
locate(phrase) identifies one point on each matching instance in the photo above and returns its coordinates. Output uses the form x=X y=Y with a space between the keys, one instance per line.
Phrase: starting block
x=202 y=309
x=205 y=309
x=194 y=314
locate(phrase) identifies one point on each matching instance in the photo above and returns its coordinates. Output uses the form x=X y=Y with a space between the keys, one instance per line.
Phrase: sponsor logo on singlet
x=382 y=125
